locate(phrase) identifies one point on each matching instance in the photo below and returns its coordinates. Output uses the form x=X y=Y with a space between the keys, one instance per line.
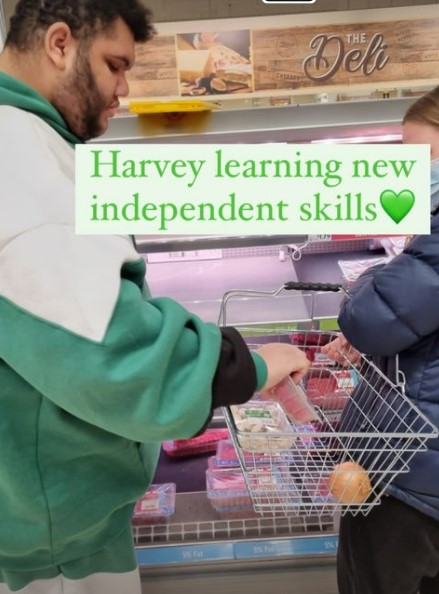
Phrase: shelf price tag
x=321 y=545
x=147 y=556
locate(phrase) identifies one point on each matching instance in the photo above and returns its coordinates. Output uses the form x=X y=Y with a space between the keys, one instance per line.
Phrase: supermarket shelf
x=195 y=521
x=238 y=551
x=200 y=286
x=295 y=554
x=200 y=532
x=171 y=243
x=293 y=123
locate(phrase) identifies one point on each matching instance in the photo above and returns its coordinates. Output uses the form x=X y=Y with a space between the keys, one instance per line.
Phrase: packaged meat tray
x=202 y=444
x=211 y=462
x=156 y=505
x=312 y=345
x=262 y=426
x=227 y=457
x=330 y=389
x=294 y=402
x=273 y=486
x=227 y=490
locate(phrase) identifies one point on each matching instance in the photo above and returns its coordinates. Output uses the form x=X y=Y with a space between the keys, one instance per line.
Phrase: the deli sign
x=352 y=52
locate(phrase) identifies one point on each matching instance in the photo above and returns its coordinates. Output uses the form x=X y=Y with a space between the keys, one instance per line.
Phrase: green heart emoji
x=397 y=206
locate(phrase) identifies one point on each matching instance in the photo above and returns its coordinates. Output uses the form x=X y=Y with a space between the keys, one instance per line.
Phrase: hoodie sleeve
x=157 y=372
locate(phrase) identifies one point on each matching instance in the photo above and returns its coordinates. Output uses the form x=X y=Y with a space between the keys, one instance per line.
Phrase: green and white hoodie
x=94 y=373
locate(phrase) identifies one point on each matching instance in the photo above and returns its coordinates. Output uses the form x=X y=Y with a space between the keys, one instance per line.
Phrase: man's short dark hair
x=86 y=18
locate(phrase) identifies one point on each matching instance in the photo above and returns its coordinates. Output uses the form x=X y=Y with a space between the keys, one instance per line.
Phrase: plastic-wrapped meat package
x=227 y=490
x=155 y=506
x=311 y=344
x=207 y=442
x=273 y=486
x=330 y=389
x=294 y=402
x=211 y=462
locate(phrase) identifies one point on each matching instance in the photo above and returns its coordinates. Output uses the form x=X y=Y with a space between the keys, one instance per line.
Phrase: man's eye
x=113 y=67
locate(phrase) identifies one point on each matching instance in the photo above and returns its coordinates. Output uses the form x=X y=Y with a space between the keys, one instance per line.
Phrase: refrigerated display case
x=198 y=548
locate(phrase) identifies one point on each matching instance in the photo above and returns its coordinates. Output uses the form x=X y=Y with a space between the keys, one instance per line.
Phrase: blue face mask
x=434 y=188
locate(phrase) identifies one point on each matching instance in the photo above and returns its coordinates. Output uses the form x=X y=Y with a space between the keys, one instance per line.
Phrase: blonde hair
x=425 y=110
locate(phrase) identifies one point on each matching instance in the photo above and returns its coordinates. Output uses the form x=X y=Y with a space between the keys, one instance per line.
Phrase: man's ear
x=59 y=45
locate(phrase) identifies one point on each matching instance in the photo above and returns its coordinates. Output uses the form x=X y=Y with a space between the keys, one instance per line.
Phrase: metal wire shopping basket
x=354 y=431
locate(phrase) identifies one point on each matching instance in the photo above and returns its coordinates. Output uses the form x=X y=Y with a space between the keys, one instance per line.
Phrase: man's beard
x=80 y=102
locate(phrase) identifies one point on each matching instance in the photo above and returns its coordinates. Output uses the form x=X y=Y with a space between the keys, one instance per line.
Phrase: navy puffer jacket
x=394 y=309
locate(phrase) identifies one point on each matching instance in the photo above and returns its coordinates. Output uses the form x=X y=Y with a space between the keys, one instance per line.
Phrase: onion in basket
x=349 y=483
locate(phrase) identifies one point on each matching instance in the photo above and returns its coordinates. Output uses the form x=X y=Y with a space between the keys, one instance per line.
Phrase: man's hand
x=341 y=351
x=283 y=360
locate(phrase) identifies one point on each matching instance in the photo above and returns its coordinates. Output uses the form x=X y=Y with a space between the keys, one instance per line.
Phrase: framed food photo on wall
x=214 y=62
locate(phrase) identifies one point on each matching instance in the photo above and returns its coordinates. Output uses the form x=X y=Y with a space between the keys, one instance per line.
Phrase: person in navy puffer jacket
x=394 y=309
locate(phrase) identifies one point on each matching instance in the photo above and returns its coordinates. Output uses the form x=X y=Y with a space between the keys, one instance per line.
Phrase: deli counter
x=197 y=545
x=197 y=548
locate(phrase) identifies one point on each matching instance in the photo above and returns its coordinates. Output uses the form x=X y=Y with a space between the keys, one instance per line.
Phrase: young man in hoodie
x=94 y=372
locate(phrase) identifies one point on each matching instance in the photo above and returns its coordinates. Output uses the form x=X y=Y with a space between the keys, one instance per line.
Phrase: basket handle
x=324 y=287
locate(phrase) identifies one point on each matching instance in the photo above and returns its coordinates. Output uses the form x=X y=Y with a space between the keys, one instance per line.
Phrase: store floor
x=270 y=577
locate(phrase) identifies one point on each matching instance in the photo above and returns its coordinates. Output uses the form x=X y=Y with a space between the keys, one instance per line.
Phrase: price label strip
x=254 y=549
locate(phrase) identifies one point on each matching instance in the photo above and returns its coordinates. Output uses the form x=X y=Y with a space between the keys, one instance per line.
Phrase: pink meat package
x=155 y=506
x=205 y=443
x=294 y=402
x=226 y=489
x=330 y=389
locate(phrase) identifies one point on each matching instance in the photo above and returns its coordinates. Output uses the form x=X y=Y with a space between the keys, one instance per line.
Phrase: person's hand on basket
x=283 y=360
x=341 y=351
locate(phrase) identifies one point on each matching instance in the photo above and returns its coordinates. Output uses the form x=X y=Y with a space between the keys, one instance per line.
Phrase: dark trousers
x=392 y=550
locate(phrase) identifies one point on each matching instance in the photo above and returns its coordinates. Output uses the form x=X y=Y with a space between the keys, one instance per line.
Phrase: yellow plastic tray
x=146 y=107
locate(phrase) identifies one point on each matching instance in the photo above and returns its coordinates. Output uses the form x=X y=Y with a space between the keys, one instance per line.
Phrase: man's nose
x=123 y=88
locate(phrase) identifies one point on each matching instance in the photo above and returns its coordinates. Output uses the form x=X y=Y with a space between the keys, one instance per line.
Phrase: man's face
x=88 y=95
